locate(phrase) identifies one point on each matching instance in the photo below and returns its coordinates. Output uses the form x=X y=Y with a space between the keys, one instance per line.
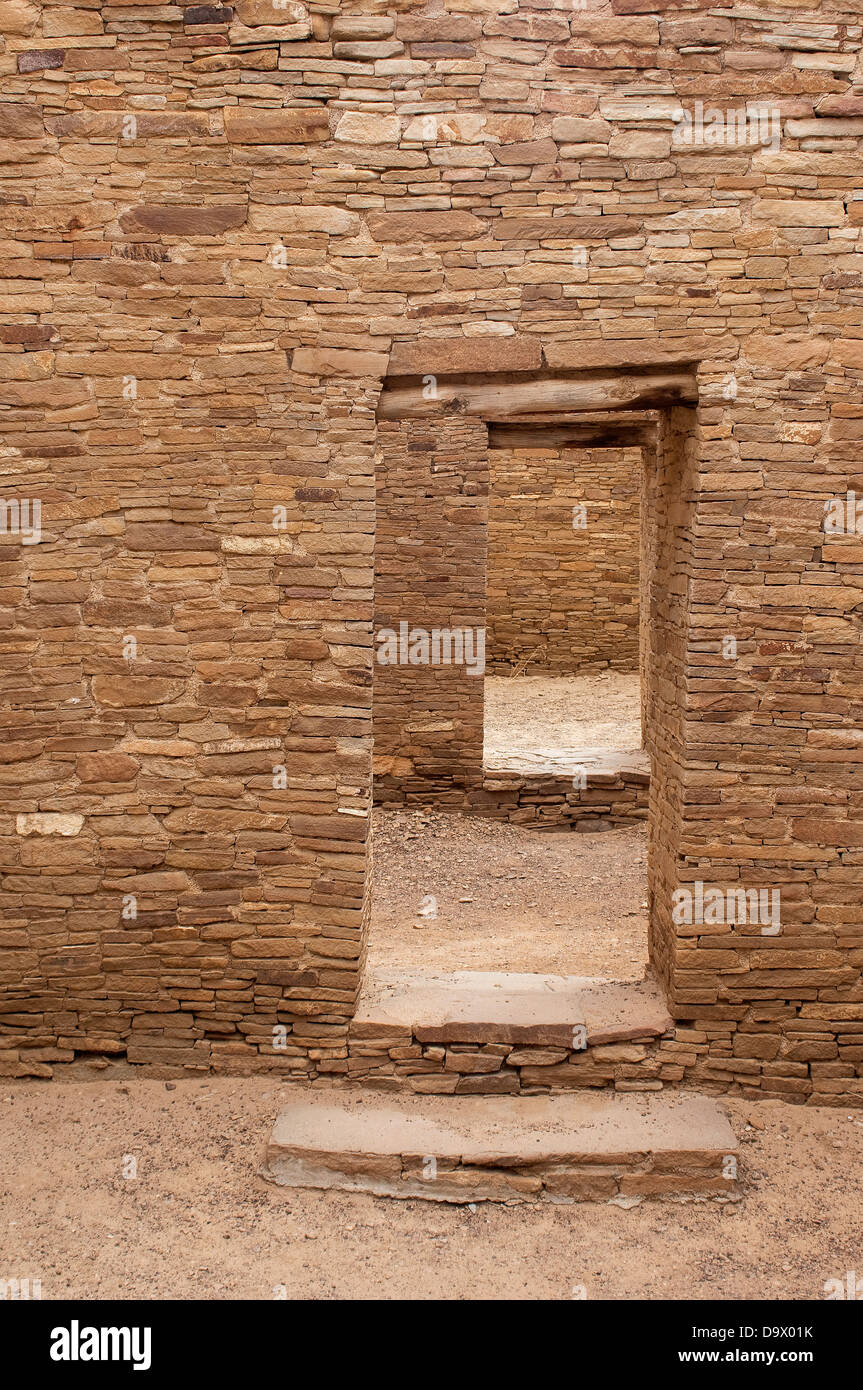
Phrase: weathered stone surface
x=825 y=128
x=580 y=129
x=161 y=747
x=94 y=60
x=18 y=17
x=146 y=365
x=840 y=106
x=526 y=152
x=39 y=59
x=249 y=125
x=783 y=352
x=483 y=6
x=694 y=30
x=48 y=823
x=639 y=144
x=463 y=127
x=500 y=1149
x=106 y=767
x=566 y=227
x=459 y=355
x=438 y=28
x=361 y=26
x=64 y=21
x=52 y=393
x=425 y=226
x=848 y=351
x=183 y=220
x=166 y=535
x=368 y=51
x=488 y=1007
x=208 y=14
x=121 y=691
x=241 y=364
x=241 y=34
x=799 y=212
x=601 y=32
x=270 y=12
x=20 y=120
x=334 y=221
x=590 y=353
x=360 y=129
x=338 y=362
x=115 y=124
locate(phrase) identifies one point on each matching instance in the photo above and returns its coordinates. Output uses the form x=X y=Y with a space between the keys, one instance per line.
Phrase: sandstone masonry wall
x=223 y=228
x=563 y=585
x=430 y=574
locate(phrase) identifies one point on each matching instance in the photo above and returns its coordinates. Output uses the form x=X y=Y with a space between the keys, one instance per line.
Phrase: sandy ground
x=198 y=1223
x=562 y=714
x=506 y=898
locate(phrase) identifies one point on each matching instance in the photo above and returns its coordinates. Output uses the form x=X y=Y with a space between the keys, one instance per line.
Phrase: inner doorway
x=463 y=881
x=562 y=689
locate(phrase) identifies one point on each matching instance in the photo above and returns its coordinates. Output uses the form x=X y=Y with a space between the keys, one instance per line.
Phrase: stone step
x=472 y=1006
x=602 y=766
x=561 y=1148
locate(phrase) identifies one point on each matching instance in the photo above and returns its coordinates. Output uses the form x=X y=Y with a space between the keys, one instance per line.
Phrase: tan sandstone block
x=18 y=17
x=442 y=355
x=62 y=21
x=334 y=221
x=362 y=26
x=338 y=362
x=786 y=353
x=120 y=692
x=848 y=351
x=253 y=12
x=425 y=226
x=250 y=125
x=48 y=823
x=462 y=127
x=280 y=33
x=106 y=767
x=358 y=128
x=20 y=120
x=799 y=212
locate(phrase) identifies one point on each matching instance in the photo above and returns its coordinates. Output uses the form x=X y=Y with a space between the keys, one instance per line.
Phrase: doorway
x=462 y=880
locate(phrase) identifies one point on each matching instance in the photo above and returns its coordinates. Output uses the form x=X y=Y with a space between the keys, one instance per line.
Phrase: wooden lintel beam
x=552 y=395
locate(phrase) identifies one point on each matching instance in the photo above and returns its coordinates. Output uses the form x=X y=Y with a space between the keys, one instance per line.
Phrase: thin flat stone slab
x=469 y=1149
x=472 y=1006
x=600 y=765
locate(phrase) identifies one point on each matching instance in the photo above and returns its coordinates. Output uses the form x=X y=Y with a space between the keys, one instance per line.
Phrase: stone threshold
x=563 y=1148
x=575 y=1012
x=600 y=766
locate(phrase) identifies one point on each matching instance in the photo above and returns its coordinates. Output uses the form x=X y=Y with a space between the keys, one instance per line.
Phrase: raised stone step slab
x=563 y=1148
x=602 y=766
x=471 y=1006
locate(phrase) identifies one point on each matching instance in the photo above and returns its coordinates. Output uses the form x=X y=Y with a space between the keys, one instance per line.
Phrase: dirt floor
x=198 y=1223
x=506 y=898
x=560 y=714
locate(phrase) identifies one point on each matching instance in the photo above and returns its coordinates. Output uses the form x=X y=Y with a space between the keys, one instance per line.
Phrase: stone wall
x=431 y=544
x=223 y=227
x=563 y=554
x=595 y=800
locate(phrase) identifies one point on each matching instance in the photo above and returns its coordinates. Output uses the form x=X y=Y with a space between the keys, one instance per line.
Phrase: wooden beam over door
x=503 y=400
